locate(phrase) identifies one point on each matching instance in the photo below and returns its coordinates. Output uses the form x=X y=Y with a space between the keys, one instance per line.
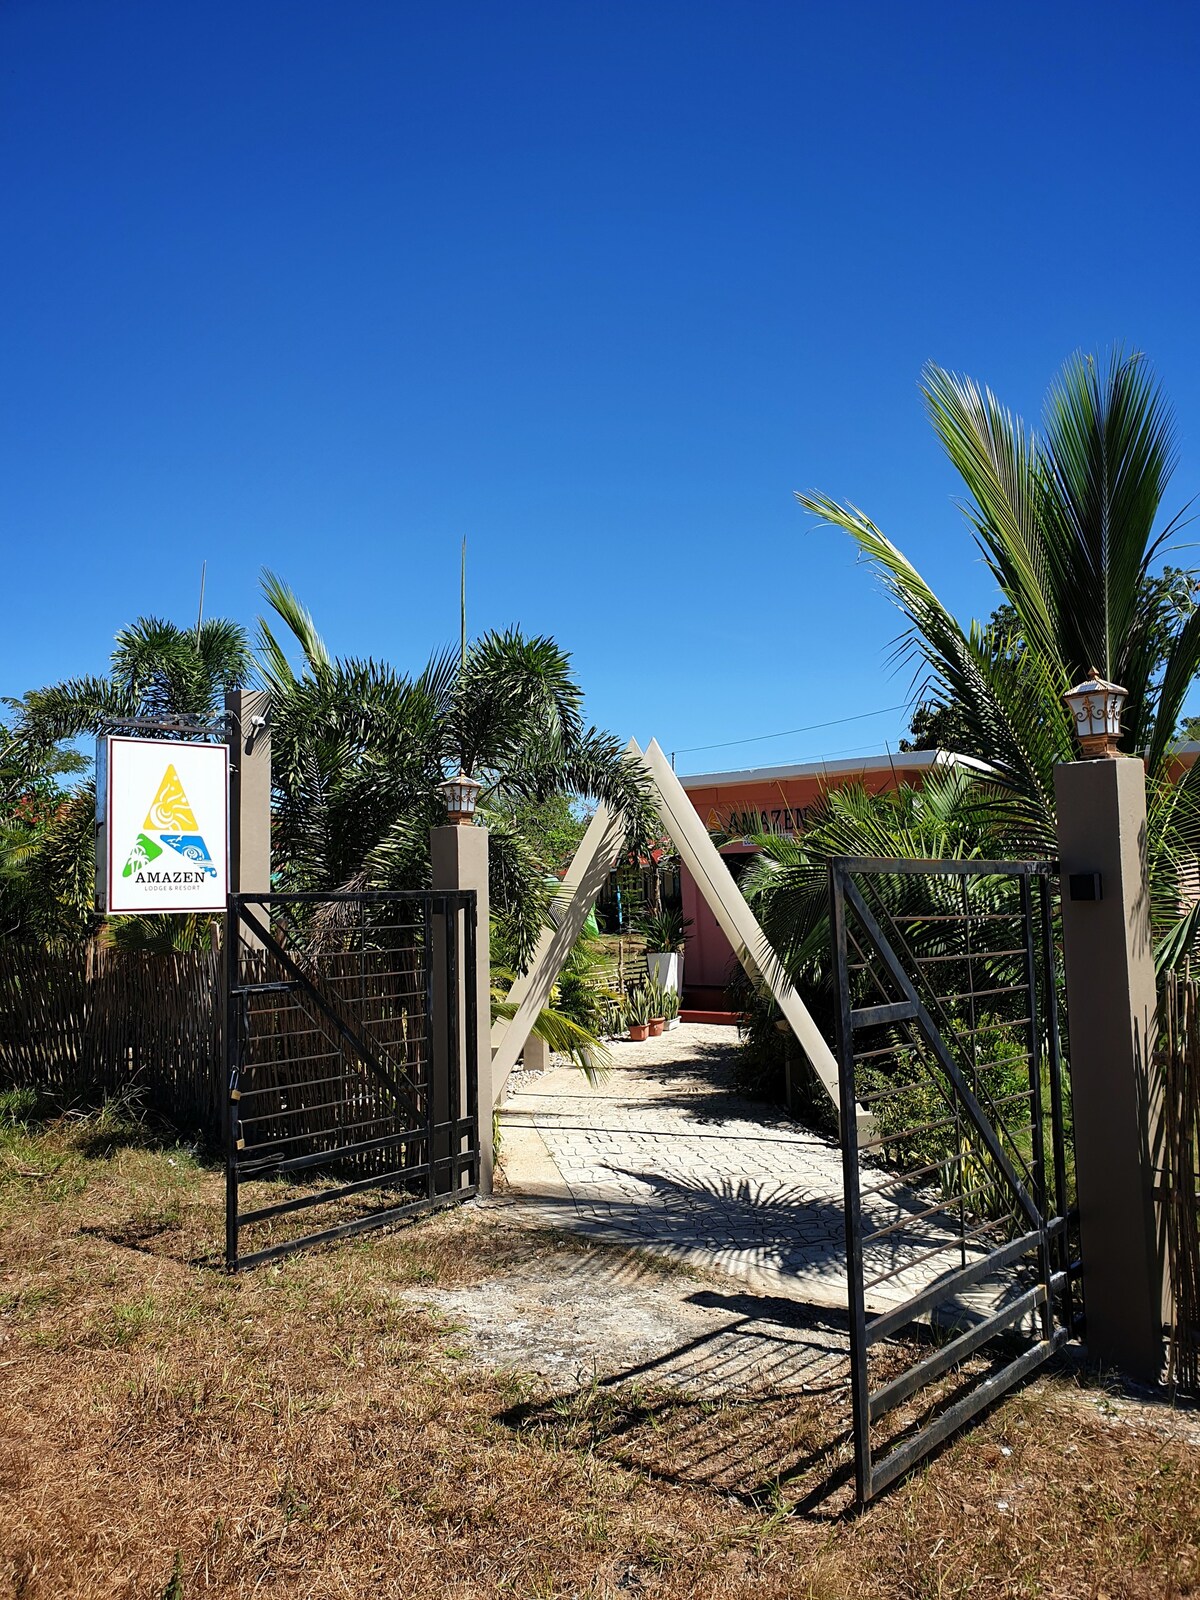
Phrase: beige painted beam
x=737 y=922
x=599 y=851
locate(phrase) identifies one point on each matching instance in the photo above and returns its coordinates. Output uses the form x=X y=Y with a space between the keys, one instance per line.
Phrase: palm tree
x=36 y=819
x=1068 y=524
x=159 y=670
x=359 y=750
x=951 y=816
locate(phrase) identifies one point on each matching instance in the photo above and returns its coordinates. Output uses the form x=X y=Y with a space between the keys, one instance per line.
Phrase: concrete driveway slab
x=665 y=1155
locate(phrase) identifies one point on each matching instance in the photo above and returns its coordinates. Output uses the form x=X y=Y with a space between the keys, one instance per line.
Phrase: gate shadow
x=756 y=1410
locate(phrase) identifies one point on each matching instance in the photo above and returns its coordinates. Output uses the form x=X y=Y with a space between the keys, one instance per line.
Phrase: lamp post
x=1095 y=706
x=461 y=794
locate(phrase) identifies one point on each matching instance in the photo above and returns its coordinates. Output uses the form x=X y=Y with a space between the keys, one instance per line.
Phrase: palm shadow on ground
x=716 y=1066
x=743 y=1225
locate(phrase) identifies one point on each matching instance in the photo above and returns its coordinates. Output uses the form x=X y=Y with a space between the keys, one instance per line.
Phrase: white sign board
x=162 y=825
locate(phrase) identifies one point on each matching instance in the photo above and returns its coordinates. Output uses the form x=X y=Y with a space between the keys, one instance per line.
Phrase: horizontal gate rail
x=949 y=1047
x=913 y=1451
x=351 y=1041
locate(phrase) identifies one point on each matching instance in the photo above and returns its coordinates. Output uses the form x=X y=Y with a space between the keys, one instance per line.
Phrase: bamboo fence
x=78 y=1022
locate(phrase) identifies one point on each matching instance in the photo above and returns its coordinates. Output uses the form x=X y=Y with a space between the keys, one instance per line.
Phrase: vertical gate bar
x=971 y=1011
x=430 y=1135
x=958 y=1134
x=362 y=960
x=1054 y=1051
x=848 y=1120
x=470 y=977
x=453 y=1058
x=233 y=1037
x=1035 y=1099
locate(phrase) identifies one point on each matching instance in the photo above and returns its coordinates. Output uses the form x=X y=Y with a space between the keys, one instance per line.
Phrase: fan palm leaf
x=359 y=751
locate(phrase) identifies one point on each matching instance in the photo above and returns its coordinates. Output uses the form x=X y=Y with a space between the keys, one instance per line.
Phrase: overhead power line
x=757 y=738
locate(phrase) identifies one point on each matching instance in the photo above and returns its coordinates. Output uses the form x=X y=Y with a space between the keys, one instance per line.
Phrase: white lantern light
x=460 y=794
x=1095 y=706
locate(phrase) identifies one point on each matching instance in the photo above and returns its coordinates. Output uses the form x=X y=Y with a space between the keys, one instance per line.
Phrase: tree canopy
x=1070 y=523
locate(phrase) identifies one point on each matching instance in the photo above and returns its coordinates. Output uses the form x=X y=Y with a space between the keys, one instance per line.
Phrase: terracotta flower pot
x=657 y=1024
x=638 y=1031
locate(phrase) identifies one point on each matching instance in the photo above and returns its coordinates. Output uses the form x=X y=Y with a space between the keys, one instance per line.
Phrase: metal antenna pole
x=200 y=613
x=462 y=602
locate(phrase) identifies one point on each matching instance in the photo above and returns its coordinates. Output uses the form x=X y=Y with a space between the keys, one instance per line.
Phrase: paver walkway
x=663 y=1154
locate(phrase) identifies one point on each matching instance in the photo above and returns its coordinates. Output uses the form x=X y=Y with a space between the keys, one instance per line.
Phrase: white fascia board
x=915 y=760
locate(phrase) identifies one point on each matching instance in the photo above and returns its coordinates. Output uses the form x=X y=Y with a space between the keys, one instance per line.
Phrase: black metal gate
x=960 y=1236
x=351 y=1043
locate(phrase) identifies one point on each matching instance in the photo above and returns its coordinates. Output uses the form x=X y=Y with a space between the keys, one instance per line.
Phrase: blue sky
x=324 y=287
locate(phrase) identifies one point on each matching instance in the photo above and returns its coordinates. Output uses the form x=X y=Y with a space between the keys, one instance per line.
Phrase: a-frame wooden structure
x=599 y=851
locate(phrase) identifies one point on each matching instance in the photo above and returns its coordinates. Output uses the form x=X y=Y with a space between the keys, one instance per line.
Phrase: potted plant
x=658 y=1009
x=637 y=1013
x=671 y=1008
x=666 y=934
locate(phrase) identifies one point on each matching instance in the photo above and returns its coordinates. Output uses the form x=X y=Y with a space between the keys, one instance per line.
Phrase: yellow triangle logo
x=170 y=810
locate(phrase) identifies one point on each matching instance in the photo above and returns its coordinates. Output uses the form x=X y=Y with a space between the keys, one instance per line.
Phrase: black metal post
x=1057 y=1130
x=233 y=1063
x=429 y=1053
x=476 y=1134
x=1035 y=1104
x=848 y=1121
x=453 y=1098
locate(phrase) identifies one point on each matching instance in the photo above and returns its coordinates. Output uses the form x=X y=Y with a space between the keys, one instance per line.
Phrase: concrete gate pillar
x=1111 y=1019
x=249 y=792
x=249 y=802
x=459 y=860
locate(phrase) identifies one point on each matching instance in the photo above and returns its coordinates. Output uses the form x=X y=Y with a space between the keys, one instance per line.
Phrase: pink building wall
x=766 y=800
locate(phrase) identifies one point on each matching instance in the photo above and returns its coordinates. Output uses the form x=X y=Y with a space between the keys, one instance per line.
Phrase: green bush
x=911 y=1110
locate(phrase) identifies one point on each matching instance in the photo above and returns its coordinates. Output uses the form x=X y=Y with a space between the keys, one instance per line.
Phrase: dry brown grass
x=305 y=1431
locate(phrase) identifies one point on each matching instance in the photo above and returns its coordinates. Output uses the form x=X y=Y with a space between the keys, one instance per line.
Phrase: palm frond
x=299 y=622
x=1010 y=702
x=997 y=459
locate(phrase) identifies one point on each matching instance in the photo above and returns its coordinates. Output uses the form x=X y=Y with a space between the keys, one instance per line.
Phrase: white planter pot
x=664 y=968
x=672 y=1022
